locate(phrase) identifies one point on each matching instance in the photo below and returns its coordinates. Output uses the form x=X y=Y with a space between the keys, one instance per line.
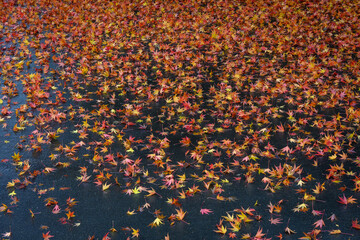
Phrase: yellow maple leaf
x=156 y=222
x=105 y=186
x=135 y=232
x=136 y=190
x=337 y=231
x=130 y=212
x=221 y=230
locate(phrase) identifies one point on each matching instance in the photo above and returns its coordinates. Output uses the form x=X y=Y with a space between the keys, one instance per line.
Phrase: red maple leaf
x=346 y=201
x=319 y=223
x=232 y=235
x=355 y=224
x=205 y=211
x=275 y=220
x=47 y=236
x=259 y=234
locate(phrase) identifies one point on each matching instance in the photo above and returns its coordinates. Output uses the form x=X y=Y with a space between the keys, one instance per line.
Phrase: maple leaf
x=246 y=236
x=135 y=232
x=50 y=202
x=6 y=235
x=70 y=214
x=146 y=205
x=332 y=217
x=151 y=192
x=47 y=235
x=280 y=236
x=232 y=235
x=346 y=201
x=32 y=214
x=185 y=142
x=71 y=202
x=319 y=188
x=289 y=231
x=235 y=226
x=48 y=170
x=300 y=183
x=169 y=180
x=243 y=217
x=173 y=201
x=245 y=159
x=355 y=224
x=156 y=222
x=303 y=207
x=249 y=211
x=316 y=212
x=287 y=149
x=336 y=231
x=106 y=186
x=56 y=209
x=343 y=156
x=128 y=191
x=16 y=157
x=167 y=237
x=319 y=223
x=136 y=190
x=229 y=218
x=275 y=220
x=205 y=211
x=221 y=229
x=106 y=237
x=195 y=155
x=280 y=128
x=312 y=235
x=130 y=212
x=3 y=208
x=259 y=234
x=13 y=193
x=180 y=214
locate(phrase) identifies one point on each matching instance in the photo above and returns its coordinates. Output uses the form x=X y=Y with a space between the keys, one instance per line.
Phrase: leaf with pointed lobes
x=319 y=223
x=317 y=213
x=332 y=217
x=180 y=214
x=185 y=142
x=355 y=224
x=275 y=220
x=289 y=231
x=130 y=212
x=135 y=232
x=205 y=211
x=156 y=222
x=221 y=229
x=232 y=235
x=56 y=209
x=337 y=231
x=259 y=234
x=346 y=201
x=106 y=237
x=3 y=208
x=106 y=186
x=287 y=149
x=47 y=236
x=32 y=214
x=70 y=214
x=6 y=235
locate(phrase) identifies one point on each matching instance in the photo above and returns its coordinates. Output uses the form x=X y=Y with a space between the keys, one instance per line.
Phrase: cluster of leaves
x=250 y=92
